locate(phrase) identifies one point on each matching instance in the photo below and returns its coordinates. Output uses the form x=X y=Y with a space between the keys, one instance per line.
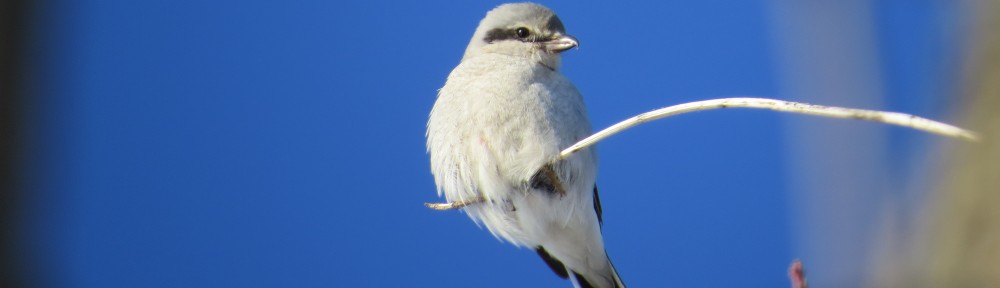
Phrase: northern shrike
x=496 y=130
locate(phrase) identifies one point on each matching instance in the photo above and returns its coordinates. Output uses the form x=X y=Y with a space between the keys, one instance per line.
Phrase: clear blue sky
x=258 y=144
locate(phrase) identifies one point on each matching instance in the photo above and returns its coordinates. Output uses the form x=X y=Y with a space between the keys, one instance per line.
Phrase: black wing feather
x=597 y=207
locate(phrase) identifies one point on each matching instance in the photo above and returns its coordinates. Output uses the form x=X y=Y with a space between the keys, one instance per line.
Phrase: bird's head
x=524 y=30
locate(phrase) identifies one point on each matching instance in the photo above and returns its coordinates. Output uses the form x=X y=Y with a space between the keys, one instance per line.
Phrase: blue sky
x=258 y=144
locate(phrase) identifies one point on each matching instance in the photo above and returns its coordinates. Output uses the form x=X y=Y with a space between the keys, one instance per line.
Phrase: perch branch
x=893 y=118
x=454 y=205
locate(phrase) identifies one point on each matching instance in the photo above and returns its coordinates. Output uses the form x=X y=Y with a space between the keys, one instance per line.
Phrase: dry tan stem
x=893 y=118
x=453 y=205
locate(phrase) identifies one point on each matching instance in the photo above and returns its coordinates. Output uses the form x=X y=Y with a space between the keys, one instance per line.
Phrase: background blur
x=265 y=144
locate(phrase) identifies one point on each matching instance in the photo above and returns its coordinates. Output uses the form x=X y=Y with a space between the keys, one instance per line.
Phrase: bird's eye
x=522 y=32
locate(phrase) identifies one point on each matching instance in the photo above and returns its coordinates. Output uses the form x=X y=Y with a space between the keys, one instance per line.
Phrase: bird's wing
x=597 y=207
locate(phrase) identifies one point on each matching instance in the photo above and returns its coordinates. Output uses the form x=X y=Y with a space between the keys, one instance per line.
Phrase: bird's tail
x=614 y=275
x=580 y=281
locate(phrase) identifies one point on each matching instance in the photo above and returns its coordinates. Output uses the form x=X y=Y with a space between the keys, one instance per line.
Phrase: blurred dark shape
x=12 y=106
x=797 y=274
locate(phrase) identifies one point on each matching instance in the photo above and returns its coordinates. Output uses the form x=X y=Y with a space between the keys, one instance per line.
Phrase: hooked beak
x=561 y=43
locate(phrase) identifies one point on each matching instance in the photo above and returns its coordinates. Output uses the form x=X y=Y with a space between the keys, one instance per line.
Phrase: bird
x=495 y=133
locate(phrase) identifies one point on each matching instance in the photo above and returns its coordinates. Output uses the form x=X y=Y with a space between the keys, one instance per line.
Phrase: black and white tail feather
x=578 y=280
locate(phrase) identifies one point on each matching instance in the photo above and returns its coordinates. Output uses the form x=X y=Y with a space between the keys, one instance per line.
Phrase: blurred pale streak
x=959 y=245
x=828 y=55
